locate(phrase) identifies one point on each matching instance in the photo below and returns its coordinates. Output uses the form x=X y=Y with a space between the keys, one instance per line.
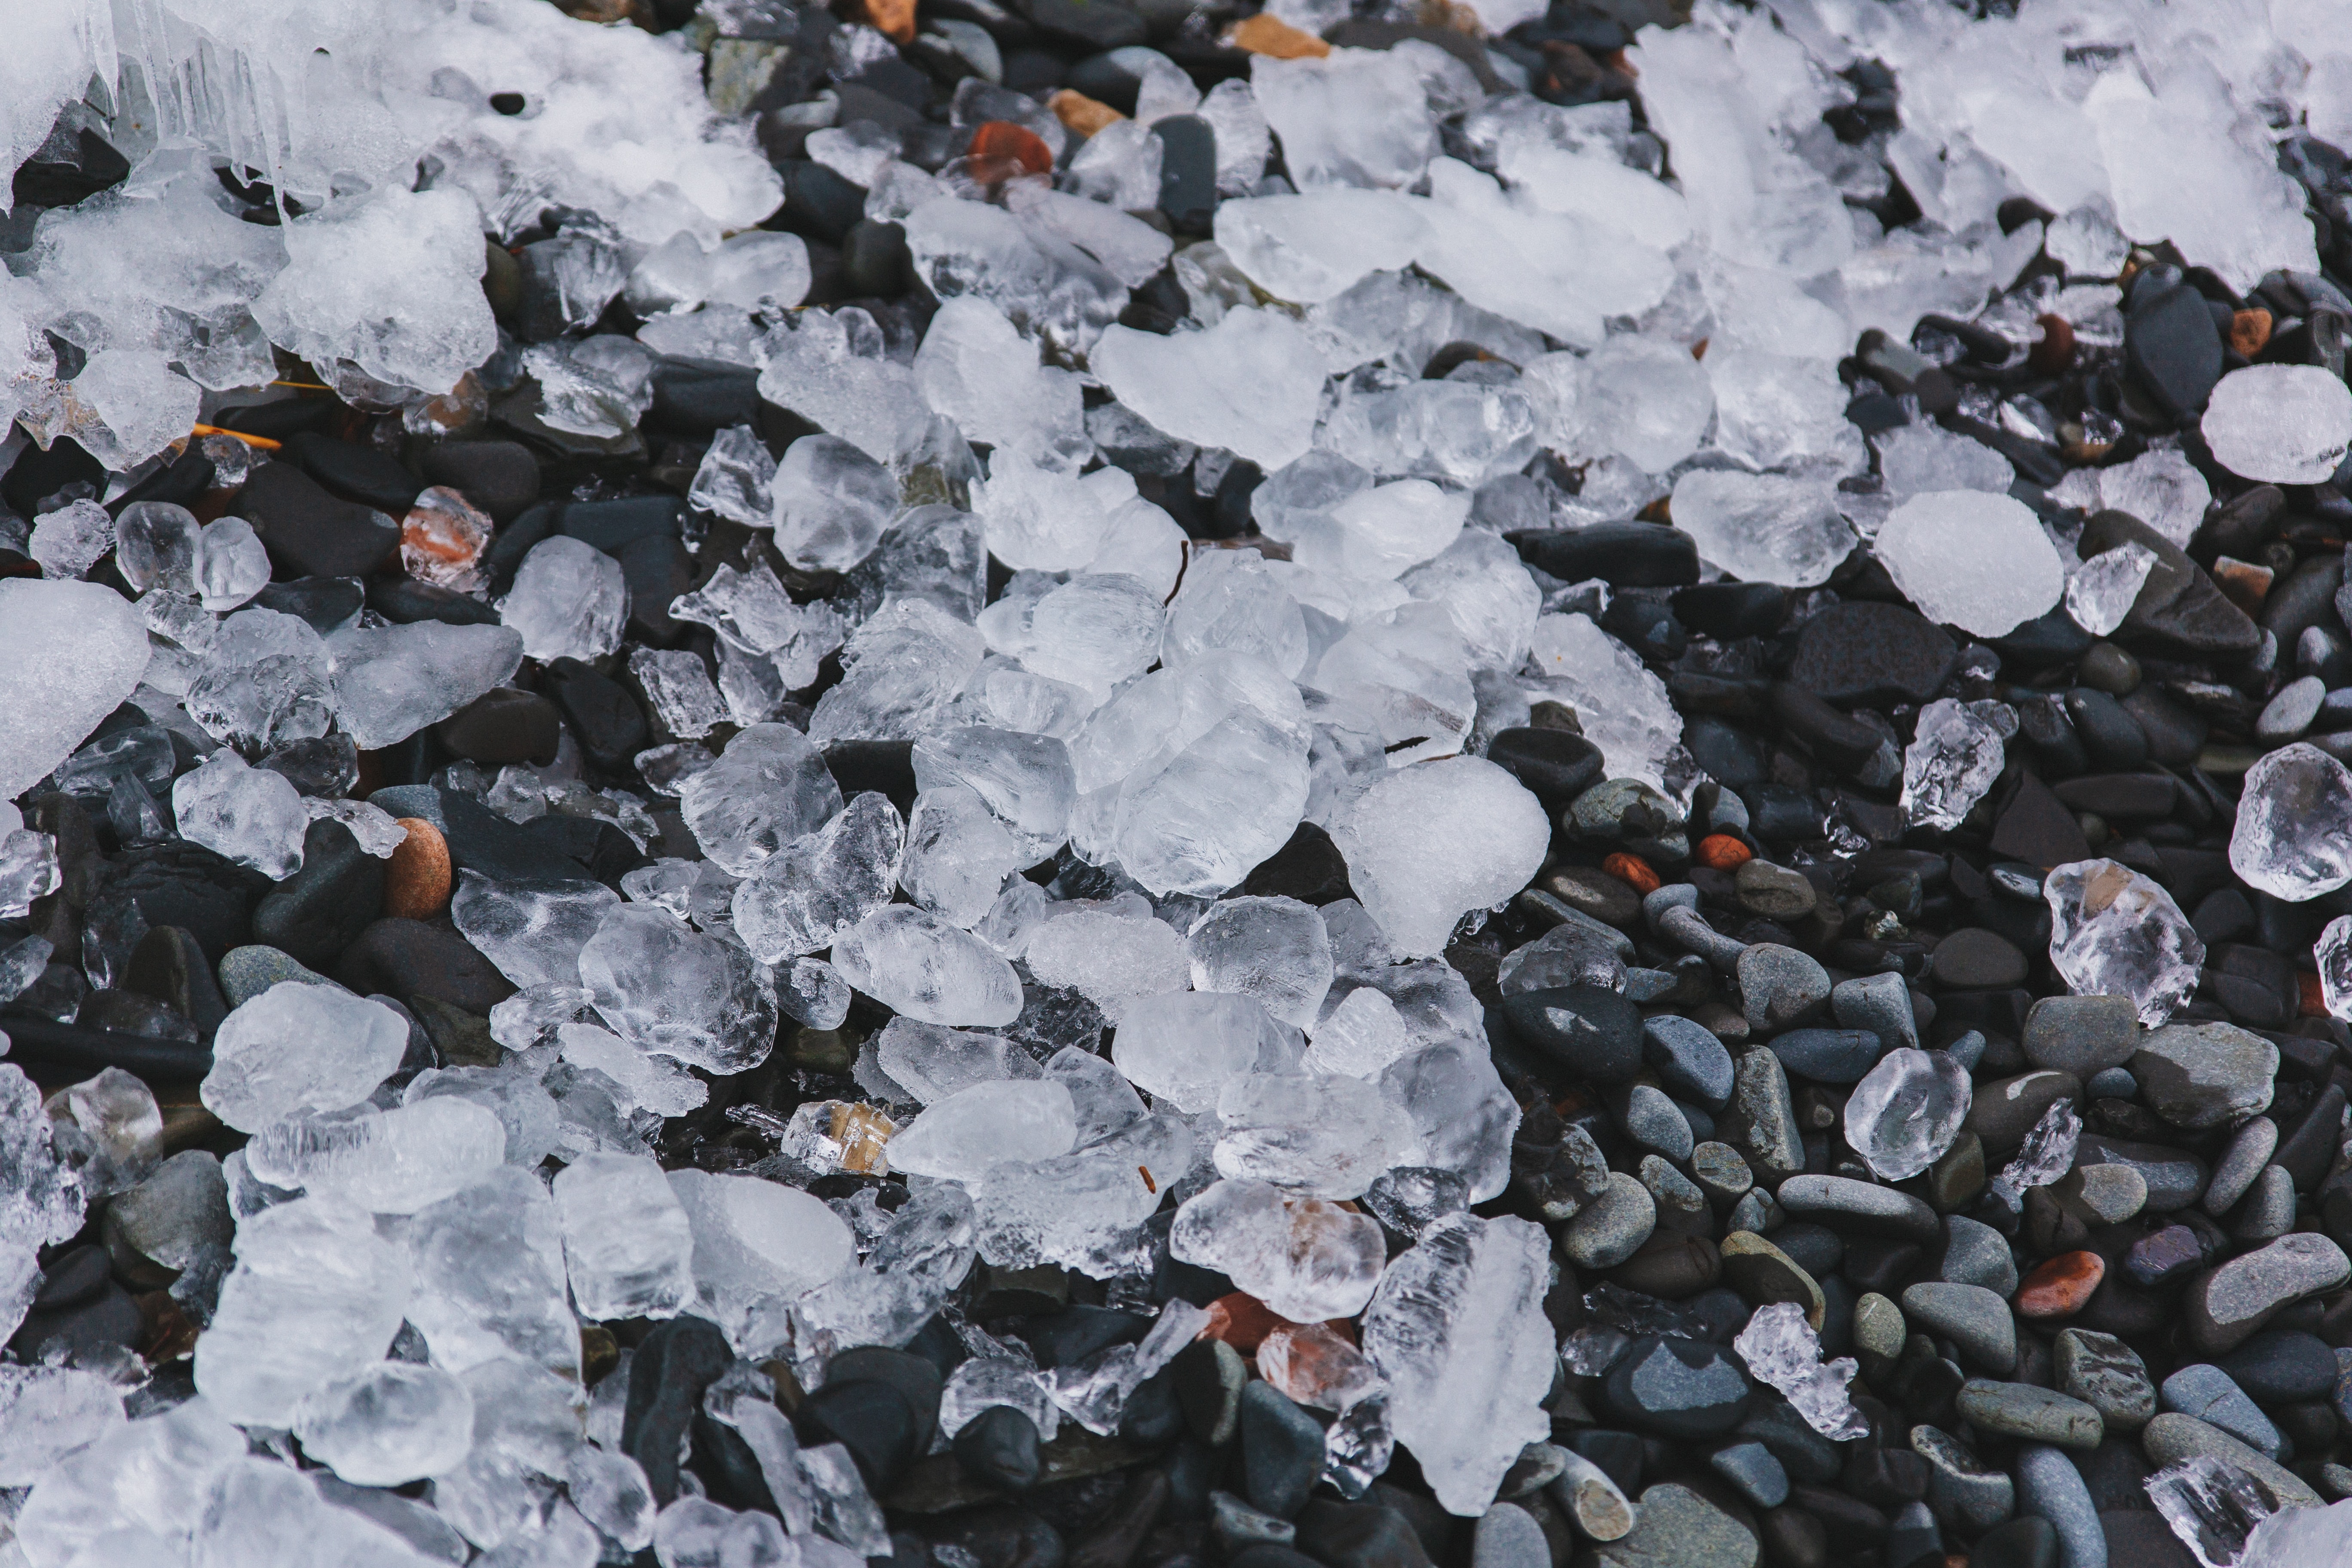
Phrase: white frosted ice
x=70 y=653
x=1763 y=527
x=1781 y=1349
x=1428 y=845
x=298 y=1048
x=2284 y=424
x=1976 y=561
x=1249 y=384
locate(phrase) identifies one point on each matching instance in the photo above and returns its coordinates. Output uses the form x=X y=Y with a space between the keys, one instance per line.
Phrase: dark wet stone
x=2172 y=346
x=1360 y=1535
x=1780 y=985
x=2139 y=1538
x=2164 y=1255
x=310 y=532
x=173 y=883
x=1188 y=170
x=1555 y=766
x=2227 y=1306
x=1589 y=1030
x=364 y=474
x=2019 y=1543
x=501 y=478
x=672 y=1367
x=1727 y=610
x=1829 y=1055
x=609 y=725
x=323 y=908
x=999 y=1448
x=2005 y=1110
x=2111 y=736
x=870 y=1418
x=326 y=604
x=480 y=839
x=1867 y=652
x=2281 y=1366
x=2081 y=1035
x=1974 y=959
x=417 y=958
x=1209 y=1376
x=1690 y=1060
x=915 y=1378
x=1678 y=1388
x=2180 y=610
x=1860 y=1208
x=405 y=602
x=1624 y=554
x=1093 y=24
x=1282 y=1450
x=503 y=726
x=170 y=966
x=1841 y=743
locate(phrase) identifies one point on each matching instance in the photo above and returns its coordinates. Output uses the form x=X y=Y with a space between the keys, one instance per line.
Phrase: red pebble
x=2062 y=1286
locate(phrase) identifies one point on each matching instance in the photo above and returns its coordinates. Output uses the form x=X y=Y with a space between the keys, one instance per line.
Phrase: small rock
x=1750 y=1467
x=1879 y=1003
x=2197 y=1076
x=2106 y=1375
x=1282 y=1451
x=2051 y=1488
x=156 y=1229
x=1760 y=1120
x=1678 y=1388
x=1962 y=1487
x=1779 y=986
x=2062 y=1286
x=417 y=879
x=2080 y=1035
x=2225 y=1307
x=1972 y=1316
x=2280 y=1366
x=1973 y=959
x=999 y=1448
x=1689 y=1061
x=2207 y=1393
x=2235 y=1173
x=1678 y=1528
x=2006 y=1109
x=2171 y=1438
x=1829 y=1055
x=1591 y=1031
x=1588 y=1495
x=2033 y=1415
x=1976 y=1253
x=1611 y=1228
x=1764 y=1274
x=1861 y=1206
x=1773 y=892
x=2102 y=1194
x=1866 y=651
x=1508 y=1537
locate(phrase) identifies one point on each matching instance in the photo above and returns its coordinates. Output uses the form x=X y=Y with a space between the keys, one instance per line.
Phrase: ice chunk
x=960 y=1137
x=68 y=542
x=70 y=653
x=1954 y=756
x=805 y=896
x=1249 y=385
x=669 y=989
x=1976 y=561
x=1623 y=705
x=1274 y=951
x=390 y=1425
x=2284 y=424
x=677 y=684
x=598 y=387
x=568 y=601
x=1354 y=117
x=389 y=282
x=1109 y=959
x=640 y=1081
x=1433 y=842
x=316 y=1294
x=1461 y=1117
x=1906 y=1110
x=41 y=1198
x=916 y=963
x=1764 y=528
x=1359 y=1037
x=442 y=539
x=390 y=682
x=2218 y=1510
x=1230 y=599
x=958 y=855
x=733 y=479
x=526 y=1429
x=1325 y=1136
x=828 y=366
x=532 y=931
x=1781 y=1349
x=46 y=1412
x=1079 y=1212
x=298 y=1048
x=1649 y=401
x=1093 y=632
x=1380 y=532
x=488 y=1265
x=930 y=1063
x=1457 y=1329
x=1045 y=285
x=1314 y=247
x=1561 y=273
x=901 y=671
x=627 y=1244
x=1026 y=780
x=2293 y=839
x=755 y=1239
x=832 y=503
x=1130 y=249
x=1918 y=459
x=1183 y=1047
x=2159 y=486
x=2334 y=953
x=386 y=1162
x=2046 y=1154
x=2103 y=589
x=1305 y=1259
x=975 y=367
x=769 y=787
x=2115 y=932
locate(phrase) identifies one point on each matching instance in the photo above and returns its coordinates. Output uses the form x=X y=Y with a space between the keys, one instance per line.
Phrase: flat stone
x=2174 y=1176
x=1869 y=652
x=1970 y=1316
x=2106 y=1375
x=1773 y=892
x=1753 y=1472
x=1622 y=554
x=2173 y=346
x=324 y=906
x=870 y=1418
x=2081 y=1035
x=1652 y=1121
x=2032 y=1415
x=412 y=958
x=1779 y=986
x=2061 y=1287
x=2004 y=1110
x=2197 y=1076
x=1282 y=1451
x=2179 y=611
x=2171 y=1438
x=248 y=972
x=1829 y=1055
x=1678 y=1528
x=1589 y=1495
x=2207 y=1393
x=1962 y=1487
x=1764 y=1274
x=2226 y=1306
x=2101 y=1195
x=1760 y=1120
x=1678 y=1388
x=503 y=726
x=1860 y=1206
x=1958 y=1177
x=501 y=478
x=1720 y=1172
x=158 y=1227
x=999 y=1448
x=2283 y=1366
x=1879 y=1327
x=2164 y=1255
x=1673 y=1265
x=310 y=532
x=2138 y=1538
x=1554 y=764
x=1209 y=1376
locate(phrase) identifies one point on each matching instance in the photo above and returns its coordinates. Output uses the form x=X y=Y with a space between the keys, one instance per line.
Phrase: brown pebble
x=2061 y=1287
x=2249 y=331
x=2054 y=350
x=416 y=879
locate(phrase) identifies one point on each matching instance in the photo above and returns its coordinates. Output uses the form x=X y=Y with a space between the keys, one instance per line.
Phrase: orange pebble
x=417 y=877
x=1243 y=1321
x=1632 y=869
x=2249 y=331
x=1722 y=852
x=1268 y=34
x=1020 y=149
x=2061 y=1287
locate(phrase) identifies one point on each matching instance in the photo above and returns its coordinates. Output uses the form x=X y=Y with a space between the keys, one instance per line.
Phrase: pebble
x=2225 y=1307
x=1678 y=1388
x=2033 y=1415
x=1652 y=1121
x=1976 y=1253
x=248 y=972
x=1861 y=1206
x=323 y=908
x=1879 y=1003
x=999 y=1448
x=2051 y=1488
x=158 y=1227
x=872 y=1419
x=1720 y=1172
x=2283 y=1366
x=1622 y=554
x=1976 y=958
x=2268 y=1210
x=2102 y=1194
x=1779 y=986
x=1864 y=651
x=2207 y=1393
x=1589 y=1495
x=1589 y=1030
x=1773 y=892
x=311 y=533
x=1209 y=1376
x=1962 y=1487
x=1689 y=1061
x=2197 y=1076
x=1554 y=764
x=1829 y=1055
x=1282 y=1451
x=1752 y=1469
x=503 y=726
x=2107 y=1374
x=668 y=1371
x=1611 y=1228
x=1760 y=1120
x=1971 y=1316
x=2080 y=1035
x=410 y=958
x=2171 y=1438
x=2175 y=1178
x=2235 y=1171
x=1677 y=1527
x=1878 y=1327
x=1764 y=1274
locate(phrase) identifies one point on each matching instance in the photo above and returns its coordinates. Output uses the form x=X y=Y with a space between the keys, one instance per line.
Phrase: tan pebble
x=416 y=879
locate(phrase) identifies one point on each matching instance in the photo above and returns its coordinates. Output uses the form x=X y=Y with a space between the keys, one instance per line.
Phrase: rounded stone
x=417 y=879
x=1611 y=1228
x=2226 y=1306
x=2102 y=1194
x=1962 y=1487
x=1773 y=892
x=1974 y=959
x=1779 y=986
x=1829 y=1055
x=1720 y=1172
x=1689 y=1060
x=999 y=1448
x=1282 y=1450
x=1678 y=1388
x=1878 y=1327
x=1590 y=1030
x=1976 y=1253
x=1972 y=1316
x=2171 y=1438
x=2197 y=1076
x=1764 y=1274
x=2209 y=1394
x=1860 y=1206
x=2032 y=1415
x=2062 y=1286
x=2106 y=1375
x=1556 y=765
x=1867 y=651
x=2051 y=1488
x=158 y=1227
x=2280 y=1366
x=2234 y=1174
x=1672 y=1265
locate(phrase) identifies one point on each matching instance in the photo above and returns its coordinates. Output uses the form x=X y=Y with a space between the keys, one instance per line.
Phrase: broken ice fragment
x=769 y=787
x=1906 y=1110
x=2334 y=953
x=1307 y=1259
x=1781 y=1348
x=1953 y=760
x=2115 y=932
x=568 y=601
x=2284 y=424
x=626 y=1242
x=1976 y=561
x=807 y=896
x=391 y=681
x=2215 y=1507
x=916 y=963
x=1248 y=385
x=2293 y=839
x=298 y=1048
x=2047 y=1153
x=70 y=653
x=316 y=1294
x=960 y=1137
x=1764 y=528
x=1429 y=844
x=2103 y=589
x=670 y=989
x=394 y=1423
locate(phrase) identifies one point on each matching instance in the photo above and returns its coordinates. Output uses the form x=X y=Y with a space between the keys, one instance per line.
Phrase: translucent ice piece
x=1953 y=760
x=2295 y=816
x=394 y=1423
x=298 y=1048
x=2115 y=932
x=1275 y=951
x=1781 y=1348
x=1906 y=1110
x=1427 y=844
x=627 y=1244
x=1764 y=528
x=916 y=963
x=316 y=1294
x=805 y=897
x=1305 y=1259
x=1249 y=384
x=2101 y=592
x=670 y=989
x=568 y=601
x=1978 y=562
x=769 y=787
